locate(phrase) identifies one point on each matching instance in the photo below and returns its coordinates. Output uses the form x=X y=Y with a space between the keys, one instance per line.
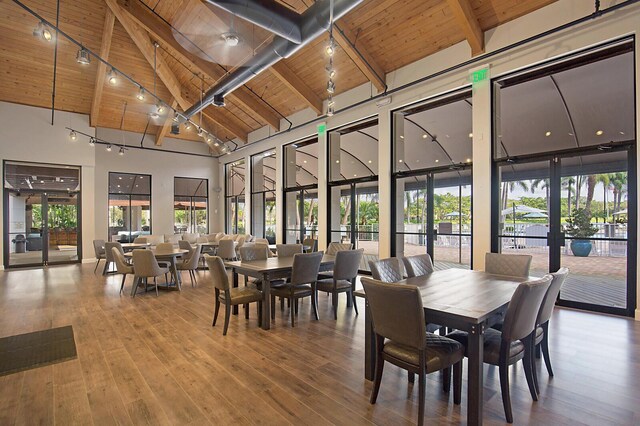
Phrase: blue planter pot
x=581 y=248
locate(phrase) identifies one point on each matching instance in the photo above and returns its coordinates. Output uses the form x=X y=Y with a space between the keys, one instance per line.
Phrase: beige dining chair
x=345 y=271
x=336 y=247
x=98 y=249
x=146 y=266
x=228 y=295
x=406 y=343
x=513 y=265
x=190 y=263
x=288 y=250
x=140 y=240
x=227 y=250
x=109 y=255
x=419 y=265
x=387 y=270
x=122 y=266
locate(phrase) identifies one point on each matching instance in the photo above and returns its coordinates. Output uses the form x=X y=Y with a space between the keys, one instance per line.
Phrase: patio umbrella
x=454 y=214
x=625 y=211
x=520 y=209
x=535 y=215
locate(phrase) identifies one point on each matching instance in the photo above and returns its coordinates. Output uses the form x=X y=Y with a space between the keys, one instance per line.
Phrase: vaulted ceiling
x=377 y=37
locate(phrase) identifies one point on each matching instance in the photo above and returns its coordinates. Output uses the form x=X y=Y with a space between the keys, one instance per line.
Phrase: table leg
x=369 y=345
x=174 y=271
x=475 y=352
x=266 y=303
x=235 y=285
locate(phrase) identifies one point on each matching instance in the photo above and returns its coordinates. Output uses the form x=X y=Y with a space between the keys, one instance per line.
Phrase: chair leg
x=353 y=301
x=281 y=304
x=314 y=305
x=155 y=284
x=273 y=307
x=259 y=314
x=446 y=379
x=422 y=381
x=292 y=309
x=411 y=377
x=527 y=362
x=378 y=377
x=124 y=277
x=134 y=289
x=457 y=382
x=334 y=302
x=246 y=311
x=227 y=315
x=504 y=388
x=296 y=305
x=106 y=267
x=195 y=278
x=545 y=348
x=96 y=268
x=215 y=313
x=534 y=372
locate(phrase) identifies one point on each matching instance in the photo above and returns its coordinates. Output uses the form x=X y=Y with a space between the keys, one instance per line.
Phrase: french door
x=301 y=214
x=576 y=210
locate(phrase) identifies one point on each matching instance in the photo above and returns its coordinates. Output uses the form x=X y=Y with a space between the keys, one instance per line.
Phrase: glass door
x=62 y=228
x=301 y=215
x=26 y=229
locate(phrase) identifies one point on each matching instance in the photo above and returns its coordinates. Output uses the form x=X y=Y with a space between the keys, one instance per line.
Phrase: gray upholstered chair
x=336 y=247
x=513 y=265
x=304 y=275
x=98 y=249
x=122 y=266
x=515 y=341
x=406 y=343
x=146 y=266
x=140 y=240
x=288 y=250
x=226 y=249
x=419 y=265
x=109 y=255
x=190 y=263
x=228 y=295
x=345 y=270
x=387 y=270
x=253 y=252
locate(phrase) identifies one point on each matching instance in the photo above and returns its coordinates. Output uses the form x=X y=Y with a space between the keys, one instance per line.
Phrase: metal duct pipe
x=313 y=22
x=268 y=14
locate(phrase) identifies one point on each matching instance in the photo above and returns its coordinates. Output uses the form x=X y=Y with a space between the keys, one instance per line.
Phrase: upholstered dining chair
x=226 y=249
x=312 y=243
x=334 y=247
x=419 y=265
x=345 y=271
x=146 y=266
x=304 y=275
x=167 y=247
x=288 y=250
x=190 y=263
x=515 y=341
x=140 y=240
x=109 y=255
x=228 y=295
x=513 y=265
x=98 y=249
x=387 y=270
x=122 y=266
x=262 y=241
x=406 y=343
x=185 y=245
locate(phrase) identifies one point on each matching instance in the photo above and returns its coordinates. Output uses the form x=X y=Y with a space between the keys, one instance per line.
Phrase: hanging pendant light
x=141 y=95
x=73 y=135
x=83 y=57
x=112 y=77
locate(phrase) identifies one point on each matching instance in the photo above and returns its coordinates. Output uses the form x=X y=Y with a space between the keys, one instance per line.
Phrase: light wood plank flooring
x=157 y=360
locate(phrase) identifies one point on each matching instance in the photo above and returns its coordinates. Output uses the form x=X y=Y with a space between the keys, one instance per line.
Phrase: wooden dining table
x=172 y=256
x=463 y=300
x=273 y=268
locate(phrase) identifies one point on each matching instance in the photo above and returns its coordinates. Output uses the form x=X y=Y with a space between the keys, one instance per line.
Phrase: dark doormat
x=37 y=349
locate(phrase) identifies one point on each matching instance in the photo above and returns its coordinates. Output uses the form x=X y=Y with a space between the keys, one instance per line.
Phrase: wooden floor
x=157 y=360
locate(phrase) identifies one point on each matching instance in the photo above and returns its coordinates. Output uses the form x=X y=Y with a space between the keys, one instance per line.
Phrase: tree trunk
x=591 y=187
x=310 y=214
x=347 y=212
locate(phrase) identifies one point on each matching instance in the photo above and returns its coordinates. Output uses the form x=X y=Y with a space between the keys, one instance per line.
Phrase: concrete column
x=257 y=201
x=384 y=183
x=247 y=194
x=482 y=160
x=637 y=260
x=323 y=191
x=398 y=203
x=279 y=193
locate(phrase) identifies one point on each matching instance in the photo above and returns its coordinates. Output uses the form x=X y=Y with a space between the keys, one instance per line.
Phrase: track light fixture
x=330 y=107
x=141 y=95
x=42 y=31
x=160 y=108
x=121 y=151
x=154 y=115
x=73 y=135
x=109 y=148
x=187 y=125
x=200 y=132
x=92 y=142
x=331 y=47
x=331 y=71
x=83 y=57
x=112 y=77
x=209 y=139
x=176 y=117
x=331 y=87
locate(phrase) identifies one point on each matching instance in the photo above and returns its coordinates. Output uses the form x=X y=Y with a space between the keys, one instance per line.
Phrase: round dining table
x=172 y=256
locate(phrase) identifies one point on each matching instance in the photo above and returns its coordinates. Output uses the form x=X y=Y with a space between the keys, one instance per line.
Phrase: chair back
x=520 y=319
x=98 y=248
x=305 y=268
x=417 y=266
x=262 y=241
x=218 y=273
x=387 y=270
x=288 y=250
x=397 y=312
x=241 y=240
x=191 y=262
x=185 y=245
x=513 y=265
x=121 y=264
x=336 y=247
x=310 y=242
x=226 y=249
x=164 y=247
x=549 y=300
x=347 y=264
x=226 y=237
x=145 y=264
x=109 y=253
x=140 y=240
x=253 y=252
x=202 y=240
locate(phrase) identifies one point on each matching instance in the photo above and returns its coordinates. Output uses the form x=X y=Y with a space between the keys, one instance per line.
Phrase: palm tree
x=509 y=187
x=543 y=183
x=591 y=187
x=604 y=180
x=567 y=183
x=619 y=183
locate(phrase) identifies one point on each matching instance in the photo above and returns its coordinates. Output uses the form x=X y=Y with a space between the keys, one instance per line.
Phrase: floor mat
x=37 y=349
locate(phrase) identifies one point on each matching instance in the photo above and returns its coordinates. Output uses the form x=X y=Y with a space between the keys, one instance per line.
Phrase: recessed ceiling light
x=470 y=135
x=468 y=160
x=399 y=161
x=622 y=133
x=401 y=136
x=369 y=161
x=355 y=175
x=304 y=161
x=437 y=161
x=337 y=161
x=120 y=177
x=547 y=133
x=599 y=133
x=424 y=136
x=41 y=181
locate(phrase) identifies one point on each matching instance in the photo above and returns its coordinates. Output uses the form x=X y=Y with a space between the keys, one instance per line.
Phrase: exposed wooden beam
x=295 y=83
x=166 y=126
x=468 y=22
x=105 y=47
x=360 y=56
x=166 y=75
x=162 y=32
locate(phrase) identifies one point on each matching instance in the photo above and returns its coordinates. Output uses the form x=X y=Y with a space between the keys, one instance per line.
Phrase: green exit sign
x=322 y=128
x=480 y=75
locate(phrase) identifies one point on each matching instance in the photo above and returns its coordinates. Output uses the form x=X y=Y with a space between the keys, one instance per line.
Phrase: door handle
x=562 y=239
x=435 y=235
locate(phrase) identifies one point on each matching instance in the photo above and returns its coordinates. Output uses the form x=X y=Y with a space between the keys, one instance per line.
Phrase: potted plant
x=580 y=228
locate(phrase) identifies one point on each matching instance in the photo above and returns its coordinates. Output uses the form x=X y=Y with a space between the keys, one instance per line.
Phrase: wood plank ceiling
x=377 y=37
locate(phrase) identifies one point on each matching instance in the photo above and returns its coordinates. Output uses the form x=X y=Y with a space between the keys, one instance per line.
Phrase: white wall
x=26 y=134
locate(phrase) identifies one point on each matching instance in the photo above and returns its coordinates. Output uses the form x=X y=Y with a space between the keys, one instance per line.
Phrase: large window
x=353 y=188
x=129 y=206
x=190 y=205
x=235 y=197
x=263 y=195
x=301 y=191
x=432 y=180
x=565 y=157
